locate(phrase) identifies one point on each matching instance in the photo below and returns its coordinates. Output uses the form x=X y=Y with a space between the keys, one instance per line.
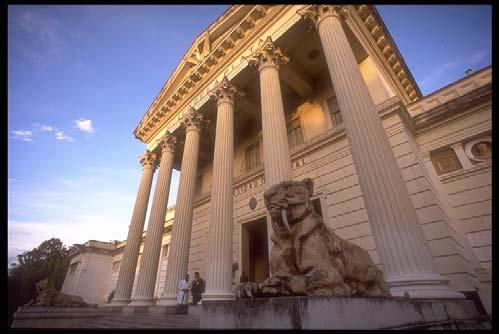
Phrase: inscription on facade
x=254 y=183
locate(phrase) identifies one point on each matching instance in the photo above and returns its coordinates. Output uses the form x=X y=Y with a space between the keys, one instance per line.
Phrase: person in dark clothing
x=243 y=278
x=197 y=288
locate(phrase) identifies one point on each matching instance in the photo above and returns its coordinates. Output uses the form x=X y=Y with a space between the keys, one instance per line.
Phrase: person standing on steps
x=197 y=288
x=183 y=295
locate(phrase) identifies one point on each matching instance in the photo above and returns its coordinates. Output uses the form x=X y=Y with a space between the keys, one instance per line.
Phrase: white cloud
x=23 y=135
x=84 y=125
x=43 y=34
x=46 y=128
x=61 y=136
x=477 y=57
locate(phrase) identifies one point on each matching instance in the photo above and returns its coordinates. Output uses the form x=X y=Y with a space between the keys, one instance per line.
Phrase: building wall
x=329 y=163
x=91 y=277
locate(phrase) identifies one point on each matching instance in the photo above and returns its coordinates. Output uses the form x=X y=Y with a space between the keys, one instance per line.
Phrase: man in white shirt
x=183 y=295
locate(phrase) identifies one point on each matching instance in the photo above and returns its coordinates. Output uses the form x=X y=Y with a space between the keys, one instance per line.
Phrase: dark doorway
x=255 y=250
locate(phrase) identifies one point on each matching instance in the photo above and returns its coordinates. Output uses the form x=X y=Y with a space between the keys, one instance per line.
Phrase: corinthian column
x=146 y=281
x=219 y=261
x=126 y=275
x=277 y=162
x=178 y=258
x=404 y=252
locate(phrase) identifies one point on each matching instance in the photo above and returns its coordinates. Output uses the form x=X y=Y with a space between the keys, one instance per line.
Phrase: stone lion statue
x=307 y=258
x=49 y=296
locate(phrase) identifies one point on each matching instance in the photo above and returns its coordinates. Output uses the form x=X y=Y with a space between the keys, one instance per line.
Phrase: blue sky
x=81 y=77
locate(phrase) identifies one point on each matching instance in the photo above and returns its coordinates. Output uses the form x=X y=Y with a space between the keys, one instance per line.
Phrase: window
x=316 y=203
x=165 y=250
x=295 y=136
x=72 y=268
x=334 y=111
x=116 y=265
x=445 y=161
x=199 y=185
x=252 y=157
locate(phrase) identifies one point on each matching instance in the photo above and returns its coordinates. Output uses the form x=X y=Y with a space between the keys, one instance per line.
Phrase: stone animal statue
x=247 y=290
x=307 y=258
x=49 y=296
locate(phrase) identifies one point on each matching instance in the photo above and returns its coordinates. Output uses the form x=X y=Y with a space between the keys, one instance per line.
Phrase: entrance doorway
x=255 y=260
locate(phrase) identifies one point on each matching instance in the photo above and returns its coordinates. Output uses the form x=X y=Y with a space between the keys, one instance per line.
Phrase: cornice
x=453 y=108
x=387 y=47
x=160 y=113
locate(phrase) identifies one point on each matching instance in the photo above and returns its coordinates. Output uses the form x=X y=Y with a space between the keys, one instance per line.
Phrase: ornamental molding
x=193 y=120
x=315 y=14
x=453 y=109
x=171 y=104
x=387 y=48
x=165 y=108
x=167 y=143
x=479 y=149
x=267 y=55
x=225 y=92
x=149 y=160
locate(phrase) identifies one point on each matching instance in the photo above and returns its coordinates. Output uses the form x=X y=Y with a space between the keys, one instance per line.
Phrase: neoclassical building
x=278 y=92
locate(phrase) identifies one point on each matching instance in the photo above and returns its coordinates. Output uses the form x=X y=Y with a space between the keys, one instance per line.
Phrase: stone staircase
x=165 y=321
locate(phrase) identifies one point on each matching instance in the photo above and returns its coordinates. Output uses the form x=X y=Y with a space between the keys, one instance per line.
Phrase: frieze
x=256 y=182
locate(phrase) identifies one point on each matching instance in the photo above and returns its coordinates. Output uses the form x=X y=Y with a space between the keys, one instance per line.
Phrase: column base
x=142 y=301
x=421 y=286
x=218 y=296
x=167 y=301
x=119 y=302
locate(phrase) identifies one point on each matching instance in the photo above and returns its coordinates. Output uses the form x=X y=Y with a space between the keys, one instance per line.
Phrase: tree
x=49 y=260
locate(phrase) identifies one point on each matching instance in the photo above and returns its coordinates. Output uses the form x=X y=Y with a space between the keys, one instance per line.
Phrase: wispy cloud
x=436 y=76
x=477 y=57
x=42 y=35
x=84 y=125
x=23 y=135
x=61 y=136
x=46 y=128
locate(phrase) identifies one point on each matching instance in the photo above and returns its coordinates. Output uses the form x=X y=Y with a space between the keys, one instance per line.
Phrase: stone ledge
x=323 y=312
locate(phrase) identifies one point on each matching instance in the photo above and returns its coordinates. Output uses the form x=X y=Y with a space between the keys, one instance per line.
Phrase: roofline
x=172 y=75
x=392 y=42
x=483 y=69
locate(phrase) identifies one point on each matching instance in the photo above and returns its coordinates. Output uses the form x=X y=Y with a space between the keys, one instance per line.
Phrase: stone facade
x=440 y=144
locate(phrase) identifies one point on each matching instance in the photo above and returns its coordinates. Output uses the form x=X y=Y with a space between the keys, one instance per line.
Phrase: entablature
x=227 y=58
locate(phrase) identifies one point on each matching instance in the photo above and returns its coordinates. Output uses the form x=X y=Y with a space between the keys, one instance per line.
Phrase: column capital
x=193 y=120
x=148 y=160
x=167 y=143
x=315 y=14
x=267 y=55
x=225 y=91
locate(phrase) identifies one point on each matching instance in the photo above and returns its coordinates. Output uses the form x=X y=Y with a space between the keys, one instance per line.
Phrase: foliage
x=49 y=260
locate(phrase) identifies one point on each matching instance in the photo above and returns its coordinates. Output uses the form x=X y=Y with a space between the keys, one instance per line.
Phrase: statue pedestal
x=323 y=312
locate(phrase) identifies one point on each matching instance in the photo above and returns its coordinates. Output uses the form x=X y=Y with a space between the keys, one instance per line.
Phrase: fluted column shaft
x=276 y=156
x=128 y=266
x=178 y=258
x=146 y=281
x=404 y=252
x=219 y=260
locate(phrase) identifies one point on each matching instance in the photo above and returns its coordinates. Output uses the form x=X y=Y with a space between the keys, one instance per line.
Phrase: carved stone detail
x=225 y=91
x=193 y=120
x=47 y=295
x=167 y=143
x=267 y=55
x=315 y=14
x=148 y=160
x=307 y=258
